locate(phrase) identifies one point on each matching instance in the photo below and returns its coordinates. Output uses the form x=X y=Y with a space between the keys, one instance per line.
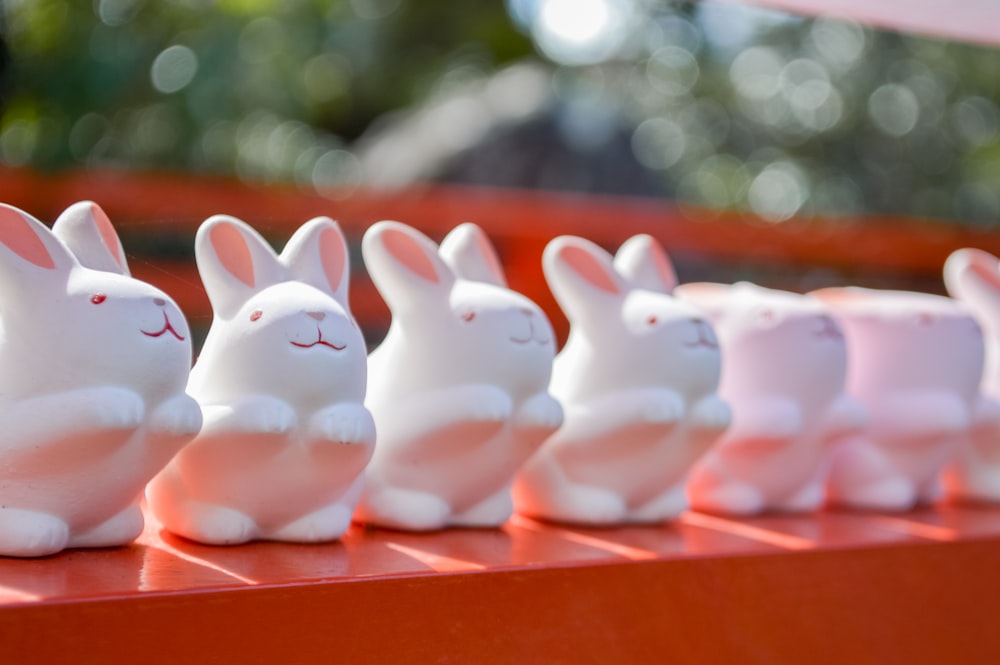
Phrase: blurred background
x=726 y=116
x=716 y=104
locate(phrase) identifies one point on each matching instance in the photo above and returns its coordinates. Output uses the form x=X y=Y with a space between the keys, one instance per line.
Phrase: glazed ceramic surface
x=459 y=386
x=281 y=383
x=915 y=363
x=637 y=379
x=783 y=373
x=93 y=365
x=973 y=277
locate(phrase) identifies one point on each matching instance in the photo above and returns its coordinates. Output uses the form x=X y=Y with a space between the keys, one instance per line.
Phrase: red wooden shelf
x=831 y=588
x=923 y=587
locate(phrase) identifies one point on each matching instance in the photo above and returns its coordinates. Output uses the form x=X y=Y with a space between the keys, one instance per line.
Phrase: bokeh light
x=717 y=104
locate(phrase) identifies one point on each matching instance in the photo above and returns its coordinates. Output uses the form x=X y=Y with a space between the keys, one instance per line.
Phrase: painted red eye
x=98 y=298
x=256 y=314
x=925 y=318
x=651 y=319
x=468 y=316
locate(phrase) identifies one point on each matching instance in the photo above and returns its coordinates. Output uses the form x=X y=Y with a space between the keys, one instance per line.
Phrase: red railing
x=877 y=251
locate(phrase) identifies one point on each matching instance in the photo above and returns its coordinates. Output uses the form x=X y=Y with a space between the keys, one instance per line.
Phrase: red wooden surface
x=832 y=588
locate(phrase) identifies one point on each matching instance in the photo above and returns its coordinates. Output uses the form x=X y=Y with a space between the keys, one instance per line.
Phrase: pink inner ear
x=663 y=266
x=587 y=266
x=333 y=255
x=108 y=234
x=411 y=254
x=489 y=256
x=233 y=253
x=18 y=235
x=987 y=268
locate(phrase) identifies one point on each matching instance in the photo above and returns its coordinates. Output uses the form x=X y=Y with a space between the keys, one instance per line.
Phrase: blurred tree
x=713 y=103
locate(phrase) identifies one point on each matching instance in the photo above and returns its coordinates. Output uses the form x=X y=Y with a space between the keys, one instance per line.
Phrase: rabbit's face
x=774 y=341
x=666 y=341
x=454 y=319
x=491 y=334
x=626 y=329
x=71 y=322
x=282 y=326
x=125 y=332
x=910 y=340
x=294 y=341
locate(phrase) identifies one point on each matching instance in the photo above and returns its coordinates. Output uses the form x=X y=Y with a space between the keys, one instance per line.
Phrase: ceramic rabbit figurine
x=783 y=373
x=915 y=363
x=281 y=383
x=459 y=386
x=973 y=276
x=93 y=365
x=637 y=378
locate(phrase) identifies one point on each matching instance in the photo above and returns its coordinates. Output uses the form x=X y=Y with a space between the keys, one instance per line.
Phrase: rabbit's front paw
x=663 y=407
x=271 y=416
x=488 y=404
x=541 y=411
x=344 y=423
x=116 y=408
x=178 y=416
x=711 y=413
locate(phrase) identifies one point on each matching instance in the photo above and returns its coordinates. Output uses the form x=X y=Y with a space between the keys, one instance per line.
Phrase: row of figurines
x=731 y=398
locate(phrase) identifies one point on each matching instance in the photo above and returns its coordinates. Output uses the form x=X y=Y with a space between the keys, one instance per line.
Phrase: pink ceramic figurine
x=915 y=363
x=637 y=379
x=973 y=276
x=783 y=372
x=459 y=386
x=281 y=381
x=92 y=371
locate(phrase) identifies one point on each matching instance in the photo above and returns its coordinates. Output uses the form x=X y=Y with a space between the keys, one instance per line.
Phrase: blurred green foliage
x=726 y=106
x=84 y=87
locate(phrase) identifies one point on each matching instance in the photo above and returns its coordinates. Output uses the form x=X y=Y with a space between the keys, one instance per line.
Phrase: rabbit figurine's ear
x=711 y=298
x=235 y=262
x=642 y=260
x=317 y=255
x=973 y=275
x=470 y=254
x=29 y=253
x=405 y=266
x=87 y=231
x=581 y=275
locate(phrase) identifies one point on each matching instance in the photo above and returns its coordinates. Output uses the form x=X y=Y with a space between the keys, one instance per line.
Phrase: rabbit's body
x=973 y=276
x=281 y=381
x=93 y=366
x=784 y=369
x=458 y=388
x=916 y=363
x=637 y=379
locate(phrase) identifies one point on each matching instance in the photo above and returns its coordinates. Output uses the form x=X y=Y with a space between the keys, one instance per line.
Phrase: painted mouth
x=701 y=342
x=167 y=328
x=705 y=338
x=830 y=332
x=320 y=342
x=531 y=337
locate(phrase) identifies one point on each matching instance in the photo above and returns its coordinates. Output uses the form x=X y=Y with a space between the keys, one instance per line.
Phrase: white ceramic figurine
x=281 y=383
x=93 y=365
x=783 y=373
x=459 y=386
x=637 y=378
x=973 y=276
x=915 y=363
